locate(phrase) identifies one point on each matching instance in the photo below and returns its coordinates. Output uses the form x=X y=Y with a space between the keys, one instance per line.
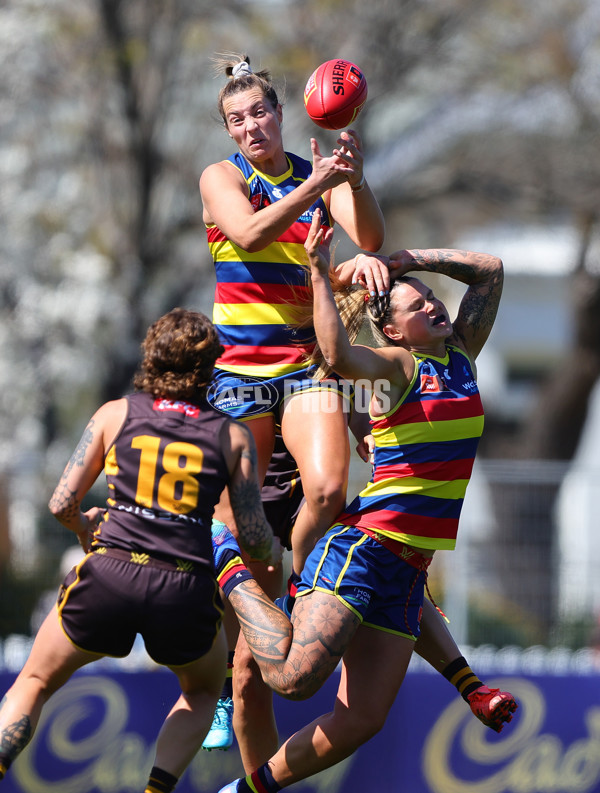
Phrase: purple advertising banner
x=97 y=736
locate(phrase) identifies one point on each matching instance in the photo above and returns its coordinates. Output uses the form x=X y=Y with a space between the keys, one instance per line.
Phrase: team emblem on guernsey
x=430 y=383
x=259 y=201
x=406 y=553
x=140 y=558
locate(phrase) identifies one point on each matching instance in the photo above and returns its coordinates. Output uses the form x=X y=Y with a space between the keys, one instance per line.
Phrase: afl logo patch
x=253 y=396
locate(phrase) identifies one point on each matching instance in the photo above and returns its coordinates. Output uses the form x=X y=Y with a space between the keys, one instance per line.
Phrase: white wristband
x=361 y=186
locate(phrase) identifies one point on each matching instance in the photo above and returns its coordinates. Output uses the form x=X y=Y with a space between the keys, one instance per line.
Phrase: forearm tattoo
x=14 y=737
x=466 y=266
x=64 y=503
x=480 y=271
x=253 y=529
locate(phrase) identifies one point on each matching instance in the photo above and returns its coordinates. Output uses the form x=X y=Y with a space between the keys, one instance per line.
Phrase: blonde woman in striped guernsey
x=362 y=590
x=257 y=208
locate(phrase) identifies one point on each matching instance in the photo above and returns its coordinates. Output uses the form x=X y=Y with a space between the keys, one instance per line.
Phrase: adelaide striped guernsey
x=262 y=299
x=425 y=448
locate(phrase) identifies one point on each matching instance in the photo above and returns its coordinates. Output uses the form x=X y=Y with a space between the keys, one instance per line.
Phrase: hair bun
x=241 y=69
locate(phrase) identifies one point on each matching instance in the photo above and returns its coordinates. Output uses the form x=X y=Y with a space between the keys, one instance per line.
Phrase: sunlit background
x=481 y=131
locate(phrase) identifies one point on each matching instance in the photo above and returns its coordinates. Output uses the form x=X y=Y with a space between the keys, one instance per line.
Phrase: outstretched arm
x=482 y=272
x=353 y=361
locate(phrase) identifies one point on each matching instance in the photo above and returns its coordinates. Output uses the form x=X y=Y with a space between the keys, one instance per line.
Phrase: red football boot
x=493 y=707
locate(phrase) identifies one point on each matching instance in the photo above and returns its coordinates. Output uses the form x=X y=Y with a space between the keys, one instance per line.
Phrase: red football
x=335 y=93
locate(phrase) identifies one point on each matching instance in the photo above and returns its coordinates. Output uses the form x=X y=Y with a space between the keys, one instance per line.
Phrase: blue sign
x=97 y=735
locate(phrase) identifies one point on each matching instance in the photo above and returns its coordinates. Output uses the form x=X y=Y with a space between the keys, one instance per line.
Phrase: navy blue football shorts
x=375 y=584
x=282 y=494
x=243 y=397
x=104 y=603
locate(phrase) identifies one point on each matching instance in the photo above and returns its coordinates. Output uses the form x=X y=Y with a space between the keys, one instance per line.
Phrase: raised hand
x=317 y=244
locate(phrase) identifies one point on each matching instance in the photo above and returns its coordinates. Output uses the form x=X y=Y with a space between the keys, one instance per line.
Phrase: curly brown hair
x=179 y=354
x=224 y=63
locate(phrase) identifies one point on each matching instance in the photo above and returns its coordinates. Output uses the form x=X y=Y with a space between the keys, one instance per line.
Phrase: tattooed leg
x=51 y=662
x=372 y=670
x=13 y=739
x=295 y=665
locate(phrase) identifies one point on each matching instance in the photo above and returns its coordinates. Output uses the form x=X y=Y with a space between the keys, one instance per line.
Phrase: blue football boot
x=220 y=735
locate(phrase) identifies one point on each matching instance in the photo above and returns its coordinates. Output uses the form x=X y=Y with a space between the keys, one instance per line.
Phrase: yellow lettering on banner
x=58 y=728
x=106 y=757
x=525 y=761
x=581 y=765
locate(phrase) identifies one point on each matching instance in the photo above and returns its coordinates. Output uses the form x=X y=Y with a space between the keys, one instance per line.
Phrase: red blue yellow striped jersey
x=262 y=298
x=424 y=453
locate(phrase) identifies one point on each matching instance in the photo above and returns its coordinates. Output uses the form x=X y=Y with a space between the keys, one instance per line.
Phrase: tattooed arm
x=84 y=467
x=255 y=533
x=482 y=272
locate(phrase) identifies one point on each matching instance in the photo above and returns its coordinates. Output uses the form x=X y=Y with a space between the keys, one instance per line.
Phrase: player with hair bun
x=257 y=207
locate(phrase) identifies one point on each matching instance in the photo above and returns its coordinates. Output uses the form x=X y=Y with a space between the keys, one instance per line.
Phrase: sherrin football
x=335 y=94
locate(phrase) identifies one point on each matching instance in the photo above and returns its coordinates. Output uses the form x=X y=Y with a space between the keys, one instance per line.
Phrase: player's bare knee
x=363 y=725
x=296 y=687
x=328 y=497
x=247 y=682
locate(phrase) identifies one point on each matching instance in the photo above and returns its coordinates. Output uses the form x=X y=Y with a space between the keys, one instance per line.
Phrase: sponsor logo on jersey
x=176 y=406
x=228 y=394
x=361 y=595
x=307 y=216
x=151 y=514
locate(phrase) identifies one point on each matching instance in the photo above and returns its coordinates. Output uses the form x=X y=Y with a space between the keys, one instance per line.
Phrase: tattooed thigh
x=323 y=628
